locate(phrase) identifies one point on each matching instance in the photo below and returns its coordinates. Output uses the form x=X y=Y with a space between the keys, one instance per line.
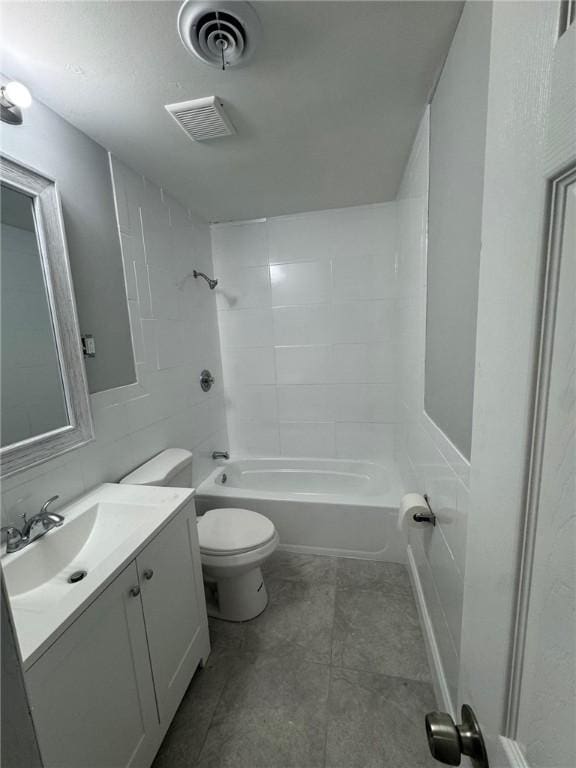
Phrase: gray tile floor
x=333 y=674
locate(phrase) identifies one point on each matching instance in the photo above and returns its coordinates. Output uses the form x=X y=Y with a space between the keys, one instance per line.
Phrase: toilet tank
x=172 y=467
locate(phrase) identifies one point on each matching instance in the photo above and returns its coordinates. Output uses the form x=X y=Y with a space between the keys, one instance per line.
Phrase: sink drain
x=76 y=577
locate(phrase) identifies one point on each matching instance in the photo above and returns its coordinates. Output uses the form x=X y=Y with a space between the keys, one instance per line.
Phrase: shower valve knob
x=448 y=741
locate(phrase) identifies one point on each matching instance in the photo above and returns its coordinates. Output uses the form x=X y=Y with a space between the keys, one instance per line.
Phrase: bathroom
x=287 y=384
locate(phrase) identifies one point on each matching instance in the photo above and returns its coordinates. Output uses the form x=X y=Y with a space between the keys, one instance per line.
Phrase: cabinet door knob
x=148 y=573
x=134 y=591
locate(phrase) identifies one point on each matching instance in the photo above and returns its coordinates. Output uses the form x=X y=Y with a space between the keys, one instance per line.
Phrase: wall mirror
x=44 y=408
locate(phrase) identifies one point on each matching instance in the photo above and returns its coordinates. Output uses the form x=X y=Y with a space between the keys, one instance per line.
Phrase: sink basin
x=86 y=538
x=102 y=532
x=45 y=560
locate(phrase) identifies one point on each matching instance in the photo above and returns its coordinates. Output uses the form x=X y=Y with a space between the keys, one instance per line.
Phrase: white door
x=91 y=693
x=545 y=707
x=518 y=636
x=174 y=609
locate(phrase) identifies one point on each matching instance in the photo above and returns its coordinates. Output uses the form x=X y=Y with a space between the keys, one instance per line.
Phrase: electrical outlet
x=88 y=345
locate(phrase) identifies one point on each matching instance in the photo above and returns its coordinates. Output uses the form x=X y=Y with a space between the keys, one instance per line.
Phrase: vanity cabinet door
x=174 y=609
x=91 y=693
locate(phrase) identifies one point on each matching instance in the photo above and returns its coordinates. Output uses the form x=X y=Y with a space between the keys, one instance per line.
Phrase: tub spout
x=220 y=455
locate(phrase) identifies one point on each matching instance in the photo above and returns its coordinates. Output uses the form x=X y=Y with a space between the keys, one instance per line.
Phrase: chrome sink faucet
x=18 y=539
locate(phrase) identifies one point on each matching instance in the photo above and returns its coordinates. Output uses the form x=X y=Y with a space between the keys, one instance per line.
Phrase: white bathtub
x=319 y=506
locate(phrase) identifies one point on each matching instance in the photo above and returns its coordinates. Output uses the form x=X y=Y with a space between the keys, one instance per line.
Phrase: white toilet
x=233 y=542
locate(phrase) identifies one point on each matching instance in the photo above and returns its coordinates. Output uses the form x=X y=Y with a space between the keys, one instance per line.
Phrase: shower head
x=211 y=282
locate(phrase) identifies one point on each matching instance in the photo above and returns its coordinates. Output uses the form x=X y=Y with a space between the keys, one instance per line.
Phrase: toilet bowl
x=233 y=542
x=233 y=545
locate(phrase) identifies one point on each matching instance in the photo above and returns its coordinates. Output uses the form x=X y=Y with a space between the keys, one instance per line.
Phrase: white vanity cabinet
x=105 y=691
x=91 y=693
x=172 y=592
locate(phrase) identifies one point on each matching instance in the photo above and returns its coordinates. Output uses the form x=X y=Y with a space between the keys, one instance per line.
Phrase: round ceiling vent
x=223 y=34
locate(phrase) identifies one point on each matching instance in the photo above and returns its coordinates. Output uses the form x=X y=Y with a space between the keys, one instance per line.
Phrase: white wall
x=428 y=461
x=457 y=140
x=306 y=308
x=52 y=146
x=175 y=335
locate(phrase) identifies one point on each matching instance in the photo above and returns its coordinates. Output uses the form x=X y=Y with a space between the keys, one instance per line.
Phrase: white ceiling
x=325 y=112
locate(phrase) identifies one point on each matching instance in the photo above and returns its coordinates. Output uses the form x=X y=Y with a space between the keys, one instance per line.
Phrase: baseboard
x=439 y=681
x=509 y=754
x=382 y=556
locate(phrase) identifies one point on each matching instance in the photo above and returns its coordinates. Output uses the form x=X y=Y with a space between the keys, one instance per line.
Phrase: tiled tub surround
x=428 y=461
x=318 y=506
x=175 y=335
x=332 y=674
x=306 y=309
x=322 y=320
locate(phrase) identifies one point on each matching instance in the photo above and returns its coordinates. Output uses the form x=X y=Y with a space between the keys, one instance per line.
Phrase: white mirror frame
x=54 y=258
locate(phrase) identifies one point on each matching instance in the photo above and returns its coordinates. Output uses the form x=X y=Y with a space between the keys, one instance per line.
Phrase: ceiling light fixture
x=14 y=97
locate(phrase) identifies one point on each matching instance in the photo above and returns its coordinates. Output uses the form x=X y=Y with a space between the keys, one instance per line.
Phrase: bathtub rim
x=390 y=498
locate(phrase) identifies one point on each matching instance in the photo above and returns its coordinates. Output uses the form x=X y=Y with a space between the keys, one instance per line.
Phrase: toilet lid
x=232 y=531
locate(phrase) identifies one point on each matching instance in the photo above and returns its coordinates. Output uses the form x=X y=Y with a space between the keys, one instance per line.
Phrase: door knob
x=148 y=573
x=448 y=741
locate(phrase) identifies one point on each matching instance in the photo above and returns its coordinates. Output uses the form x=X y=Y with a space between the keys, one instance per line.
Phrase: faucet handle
x=44 y=507
x=10 y=531
x=13 y=537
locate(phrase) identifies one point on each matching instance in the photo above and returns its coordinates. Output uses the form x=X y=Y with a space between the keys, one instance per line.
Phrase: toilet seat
x=227 y=531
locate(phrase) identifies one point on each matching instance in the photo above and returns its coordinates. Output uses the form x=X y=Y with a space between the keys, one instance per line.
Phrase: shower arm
x=211 y=282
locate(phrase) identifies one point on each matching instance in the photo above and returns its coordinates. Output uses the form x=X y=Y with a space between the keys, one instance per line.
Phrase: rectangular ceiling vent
x=202 y=119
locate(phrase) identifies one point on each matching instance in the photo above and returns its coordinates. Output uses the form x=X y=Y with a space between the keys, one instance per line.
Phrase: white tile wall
x=304 y=365
x=307 y=310
x=307 y=438
x=429 y=462
x=175 y=334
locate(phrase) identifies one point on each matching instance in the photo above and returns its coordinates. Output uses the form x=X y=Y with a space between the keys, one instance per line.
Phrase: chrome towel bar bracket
x=425 y=517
